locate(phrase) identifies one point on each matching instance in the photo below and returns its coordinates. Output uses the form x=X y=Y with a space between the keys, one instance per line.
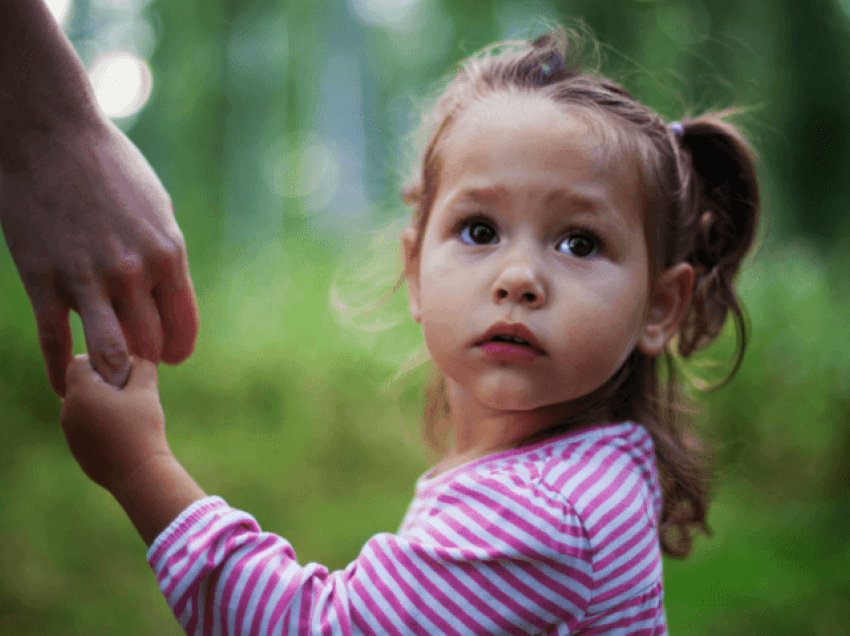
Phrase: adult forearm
x=44 y=87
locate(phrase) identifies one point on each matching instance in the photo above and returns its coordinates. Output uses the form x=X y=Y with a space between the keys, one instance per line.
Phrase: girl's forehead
x=505 y=113
x=504 y=136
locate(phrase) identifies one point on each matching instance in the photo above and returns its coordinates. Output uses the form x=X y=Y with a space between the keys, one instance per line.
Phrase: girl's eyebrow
x=489 y=194
x=584 y=202
x=588 y=204
x=579 y=201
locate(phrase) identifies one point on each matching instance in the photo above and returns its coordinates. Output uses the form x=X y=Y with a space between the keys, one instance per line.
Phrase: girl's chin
x=521 y=403
x=510 y=403
x=517 y=395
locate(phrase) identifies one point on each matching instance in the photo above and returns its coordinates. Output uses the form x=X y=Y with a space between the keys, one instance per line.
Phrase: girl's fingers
x=143 y=375
x=54 y=336
x=79 y=367
x=105 y=340
x=81 y=374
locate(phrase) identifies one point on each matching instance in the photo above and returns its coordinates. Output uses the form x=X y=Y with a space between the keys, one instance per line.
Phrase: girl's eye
x=478 y=233
x=581 y=245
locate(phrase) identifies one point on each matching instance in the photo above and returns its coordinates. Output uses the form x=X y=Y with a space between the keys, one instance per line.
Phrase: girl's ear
x=411 y=270
x=668 y=305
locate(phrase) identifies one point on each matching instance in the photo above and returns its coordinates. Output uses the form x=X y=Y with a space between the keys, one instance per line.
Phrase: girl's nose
x=520 y=283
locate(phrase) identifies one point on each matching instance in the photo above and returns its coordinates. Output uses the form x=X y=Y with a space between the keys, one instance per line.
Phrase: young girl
x=562 y=235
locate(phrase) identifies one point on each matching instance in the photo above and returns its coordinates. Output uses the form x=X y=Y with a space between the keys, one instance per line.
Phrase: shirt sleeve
x=487 y=561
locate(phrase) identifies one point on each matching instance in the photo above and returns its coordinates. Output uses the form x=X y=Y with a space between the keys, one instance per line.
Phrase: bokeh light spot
x=394 y=14
x=122 y=83
x=310 y=170
x=60 y=9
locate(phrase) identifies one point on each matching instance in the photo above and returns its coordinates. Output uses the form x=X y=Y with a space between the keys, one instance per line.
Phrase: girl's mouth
x=510 y=352
x=510 y=339
x=510 y=343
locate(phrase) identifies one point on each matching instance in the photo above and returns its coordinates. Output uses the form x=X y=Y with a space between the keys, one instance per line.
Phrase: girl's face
x=532 y=281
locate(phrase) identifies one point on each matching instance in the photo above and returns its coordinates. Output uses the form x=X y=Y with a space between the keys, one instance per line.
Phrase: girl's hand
x=113 y=433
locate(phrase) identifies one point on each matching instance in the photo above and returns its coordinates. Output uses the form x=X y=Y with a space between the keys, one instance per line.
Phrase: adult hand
x=91 y=228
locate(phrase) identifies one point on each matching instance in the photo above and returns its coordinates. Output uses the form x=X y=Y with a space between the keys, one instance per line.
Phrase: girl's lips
x=506 y=331
x=510 y=352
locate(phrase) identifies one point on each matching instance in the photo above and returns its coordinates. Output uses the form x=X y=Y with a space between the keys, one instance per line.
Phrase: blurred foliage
x=281 y=130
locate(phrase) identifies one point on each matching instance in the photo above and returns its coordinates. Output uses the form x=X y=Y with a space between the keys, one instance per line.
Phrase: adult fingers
x=54 y=336
x=178 y=312
x=139 y=318
x=105 y=340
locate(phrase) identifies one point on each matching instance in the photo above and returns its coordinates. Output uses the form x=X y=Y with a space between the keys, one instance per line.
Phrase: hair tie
x=677 y=129
x=550 y=67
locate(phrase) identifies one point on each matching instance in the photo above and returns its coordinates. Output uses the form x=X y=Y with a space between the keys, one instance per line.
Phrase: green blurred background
x=282 y=130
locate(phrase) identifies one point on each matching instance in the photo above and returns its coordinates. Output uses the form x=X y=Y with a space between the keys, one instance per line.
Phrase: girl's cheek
x=439 y=263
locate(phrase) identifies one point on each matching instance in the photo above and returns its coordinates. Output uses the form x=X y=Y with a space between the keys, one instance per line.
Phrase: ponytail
x=719 y=218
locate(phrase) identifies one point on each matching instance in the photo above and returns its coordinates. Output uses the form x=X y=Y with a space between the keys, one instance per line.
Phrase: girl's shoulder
x=561 y=460
x=583 y=502
x=600 y=470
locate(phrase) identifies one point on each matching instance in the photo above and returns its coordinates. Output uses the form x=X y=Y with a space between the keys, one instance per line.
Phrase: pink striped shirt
x=559 y=537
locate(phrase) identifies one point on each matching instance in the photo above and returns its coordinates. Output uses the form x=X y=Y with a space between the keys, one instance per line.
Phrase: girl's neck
x=478 y=431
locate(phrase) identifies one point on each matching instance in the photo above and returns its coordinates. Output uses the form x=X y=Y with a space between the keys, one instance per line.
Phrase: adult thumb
x=105 y=342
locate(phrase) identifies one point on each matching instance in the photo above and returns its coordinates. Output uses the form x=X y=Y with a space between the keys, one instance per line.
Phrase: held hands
x=114 y=434
x=91 y=228
x=118 y=438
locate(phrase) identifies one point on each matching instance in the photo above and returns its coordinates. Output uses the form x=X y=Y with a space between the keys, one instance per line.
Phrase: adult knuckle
x=80 y=273
x=168 y=249
x=126 y=269
x=174 y=244
x=169 y=255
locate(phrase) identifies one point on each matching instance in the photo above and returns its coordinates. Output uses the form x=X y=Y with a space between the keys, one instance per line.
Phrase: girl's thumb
x=143 y=374
x=81 y=375
x=80 y=371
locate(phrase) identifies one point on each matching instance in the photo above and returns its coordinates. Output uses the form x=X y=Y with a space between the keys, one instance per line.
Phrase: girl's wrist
x=155 y=493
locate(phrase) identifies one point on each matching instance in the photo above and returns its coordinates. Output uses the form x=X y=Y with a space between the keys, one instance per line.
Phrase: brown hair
x=699 y=183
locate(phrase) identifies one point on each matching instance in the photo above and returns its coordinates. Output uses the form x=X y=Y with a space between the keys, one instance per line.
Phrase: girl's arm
x=488 y=565
x=496 y=554
x=220 y=573
x=118 y=438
